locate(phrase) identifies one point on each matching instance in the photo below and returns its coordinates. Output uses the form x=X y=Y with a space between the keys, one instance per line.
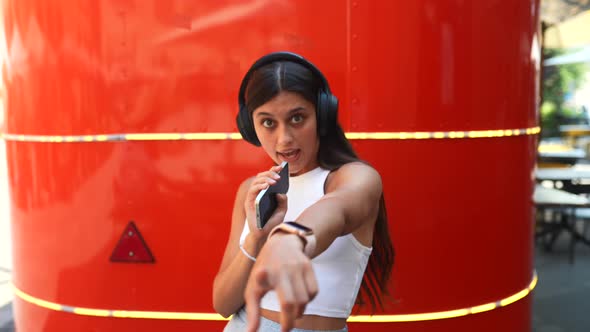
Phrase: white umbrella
x=582 y=55
x=574 y=32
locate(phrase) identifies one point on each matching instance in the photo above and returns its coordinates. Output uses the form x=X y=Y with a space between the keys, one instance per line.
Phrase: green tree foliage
x=557 y=81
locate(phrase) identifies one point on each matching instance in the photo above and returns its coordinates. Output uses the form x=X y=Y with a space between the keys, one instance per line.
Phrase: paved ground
x=562 y=297
x=6 y=323
x=5 y=249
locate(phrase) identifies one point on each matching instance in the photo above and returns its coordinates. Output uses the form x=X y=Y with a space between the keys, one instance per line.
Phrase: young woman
x=305 y=267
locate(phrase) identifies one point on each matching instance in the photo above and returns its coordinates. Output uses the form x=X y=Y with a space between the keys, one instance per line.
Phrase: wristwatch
x=305 y=234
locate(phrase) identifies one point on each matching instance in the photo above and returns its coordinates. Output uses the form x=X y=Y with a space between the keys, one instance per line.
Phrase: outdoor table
x=559 y=200
x=573 y=132
x=567 y=157
x=575 y=179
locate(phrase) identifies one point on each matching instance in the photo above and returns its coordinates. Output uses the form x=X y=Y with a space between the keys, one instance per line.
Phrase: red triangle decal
x=132 y=248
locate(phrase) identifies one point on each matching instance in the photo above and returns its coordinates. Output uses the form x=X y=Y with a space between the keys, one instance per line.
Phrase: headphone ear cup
x=246 y=127
x=327 y=112
x=332 y=110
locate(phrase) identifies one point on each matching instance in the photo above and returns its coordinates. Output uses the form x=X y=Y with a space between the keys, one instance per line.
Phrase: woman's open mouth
x=289 y=156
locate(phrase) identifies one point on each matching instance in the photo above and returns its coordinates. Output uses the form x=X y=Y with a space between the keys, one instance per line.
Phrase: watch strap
x=309 y=240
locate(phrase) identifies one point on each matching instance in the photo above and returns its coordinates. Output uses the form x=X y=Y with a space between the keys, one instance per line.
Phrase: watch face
x=298 y=226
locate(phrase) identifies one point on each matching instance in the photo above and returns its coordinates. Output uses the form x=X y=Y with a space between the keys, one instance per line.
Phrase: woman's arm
x=234 y=270
x=351 y=203
x=230 y=281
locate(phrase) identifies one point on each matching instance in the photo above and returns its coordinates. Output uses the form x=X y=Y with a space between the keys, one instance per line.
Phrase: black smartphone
x=266 y=201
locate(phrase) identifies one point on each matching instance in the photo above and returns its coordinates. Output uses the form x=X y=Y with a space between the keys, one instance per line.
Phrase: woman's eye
x=297 y=118
x=267 y=123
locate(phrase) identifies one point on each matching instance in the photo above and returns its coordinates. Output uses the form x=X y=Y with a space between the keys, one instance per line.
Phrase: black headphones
x=326 y=106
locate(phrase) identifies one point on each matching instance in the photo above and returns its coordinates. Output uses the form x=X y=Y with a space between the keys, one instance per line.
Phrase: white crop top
x=339 y=269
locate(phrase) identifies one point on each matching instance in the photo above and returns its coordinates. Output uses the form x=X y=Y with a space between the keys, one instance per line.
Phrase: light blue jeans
x=238 y=324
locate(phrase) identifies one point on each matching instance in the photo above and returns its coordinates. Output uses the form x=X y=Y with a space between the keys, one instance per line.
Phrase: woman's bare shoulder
x=246 y=183
x=358 y=166
x=355 y=173
x=243 y=188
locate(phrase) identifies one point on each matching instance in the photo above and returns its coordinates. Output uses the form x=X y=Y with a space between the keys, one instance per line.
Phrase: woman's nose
x=285 y=135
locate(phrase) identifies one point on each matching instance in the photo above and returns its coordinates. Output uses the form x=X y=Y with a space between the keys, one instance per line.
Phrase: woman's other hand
x=281 y=266
x=262 y=181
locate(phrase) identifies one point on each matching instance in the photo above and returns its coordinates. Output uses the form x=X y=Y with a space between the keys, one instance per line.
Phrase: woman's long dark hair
x=335 y=150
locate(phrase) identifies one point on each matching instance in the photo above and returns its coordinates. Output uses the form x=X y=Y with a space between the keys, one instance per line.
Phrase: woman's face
x=287 y=129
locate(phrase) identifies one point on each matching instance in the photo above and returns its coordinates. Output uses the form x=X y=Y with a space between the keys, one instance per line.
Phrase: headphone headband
x=326 y=104
x=281 y=56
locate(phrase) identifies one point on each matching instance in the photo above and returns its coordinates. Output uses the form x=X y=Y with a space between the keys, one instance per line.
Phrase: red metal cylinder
x=459 y=208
